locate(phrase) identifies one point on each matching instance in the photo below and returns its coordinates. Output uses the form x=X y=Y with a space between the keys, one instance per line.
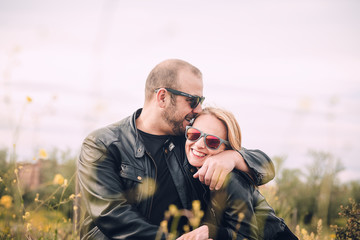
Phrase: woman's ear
x=161 y=97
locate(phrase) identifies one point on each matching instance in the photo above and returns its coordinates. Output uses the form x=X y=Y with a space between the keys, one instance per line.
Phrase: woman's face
x=197 y=152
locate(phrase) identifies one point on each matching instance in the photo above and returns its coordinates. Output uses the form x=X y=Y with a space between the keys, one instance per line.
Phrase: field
x=38 y=199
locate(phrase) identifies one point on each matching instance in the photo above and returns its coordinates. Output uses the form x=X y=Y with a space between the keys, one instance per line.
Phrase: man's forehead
x=191 y=83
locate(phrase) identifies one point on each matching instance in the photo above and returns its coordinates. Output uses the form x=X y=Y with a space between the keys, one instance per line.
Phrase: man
x=131 y=171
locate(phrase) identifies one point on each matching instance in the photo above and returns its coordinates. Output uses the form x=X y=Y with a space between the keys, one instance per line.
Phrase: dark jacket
x=242 y=212
x=116 y=177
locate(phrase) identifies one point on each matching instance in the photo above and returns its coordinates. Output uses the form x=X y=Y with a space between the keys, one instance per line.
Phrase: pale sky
x=288 y=70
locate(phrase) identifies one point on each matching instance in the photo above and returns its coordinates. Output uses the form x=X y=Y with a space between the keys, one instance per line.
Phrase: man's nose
x=198 y=109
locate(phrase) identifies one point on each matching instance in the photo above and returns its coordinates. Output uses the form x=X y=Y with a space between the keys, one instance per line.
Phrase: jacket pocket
x=132 y=179
x=131 y=173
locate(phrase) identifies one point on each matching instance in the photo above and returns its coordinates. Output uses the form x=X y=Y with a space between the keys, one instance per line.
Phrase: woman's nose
x=200 y=143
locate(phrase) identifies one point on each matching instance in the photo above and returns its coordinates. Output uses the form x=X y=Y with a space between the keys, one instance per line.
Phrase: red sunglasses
x=211 y=141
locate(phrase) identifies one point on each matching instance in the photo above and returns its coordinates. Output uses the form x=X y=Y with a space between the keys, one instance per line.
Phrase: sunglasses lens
x=192 y=134
x=212 y=142
x=194 y=102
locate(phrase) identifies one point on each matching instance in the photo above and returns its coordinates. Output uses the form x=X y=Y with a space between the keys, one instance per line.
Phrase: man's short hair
x=165 y=75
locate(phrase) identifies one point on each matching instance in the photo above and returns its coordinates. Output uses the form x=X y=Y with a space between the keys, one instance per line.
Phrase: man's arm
x=261 y=167
x=104 y=195
x=254 y=162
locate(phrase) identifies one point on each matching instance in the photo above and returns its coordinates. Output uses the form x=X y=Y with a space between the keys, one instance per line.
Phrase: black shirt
x=165 y=193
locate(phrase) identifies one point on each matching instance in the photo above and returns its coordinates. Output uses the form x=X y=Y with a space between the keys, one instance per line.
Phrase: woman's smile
x=197 y=153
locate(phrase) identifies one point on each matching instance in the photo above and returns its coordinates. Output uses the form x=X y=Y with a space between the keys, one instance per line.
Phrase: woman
x=238 y=207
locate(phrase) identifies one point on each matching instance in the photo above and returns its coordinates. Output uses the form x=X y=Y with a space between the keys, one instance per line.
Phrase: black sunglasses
x=211 y=141
x=195 y=100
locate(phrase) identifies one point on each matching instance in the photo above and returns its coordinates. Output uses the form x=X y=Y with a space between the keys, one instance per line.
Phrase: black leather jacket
x=116 y=177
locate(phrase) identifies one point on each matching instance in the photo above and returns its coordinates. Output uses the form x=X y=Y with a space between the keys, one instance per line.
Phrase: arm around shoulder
x=261 y=166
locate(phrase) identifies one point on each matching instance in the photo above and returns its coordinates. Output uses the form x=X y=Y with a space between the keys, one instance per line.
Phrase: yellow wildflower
x=28 y=227
x=164 y=226
x=6 y=201
x=173 y=210
x=72 y=196
x=27 y=215
x=16 y=171
x=28 y=99
x=241 y=217
x=37 y=197
x=75 y=208
x=319 y=227
x=297 y=230
x=195 y=221
x=196 y=205
x=43 y=154
x=186 y=228
x=147 y=187
x=65 y=183
x=58 y=179
x=304 y=232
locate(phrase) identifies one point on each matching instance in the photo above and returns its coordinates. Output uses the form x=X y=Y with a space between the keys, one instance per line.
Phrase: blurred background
x=288 y=70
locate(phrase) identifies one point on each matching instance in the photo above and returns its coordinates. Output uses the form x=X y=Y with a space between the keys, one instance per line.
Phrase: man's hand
x=215 y=169
x=201 y=233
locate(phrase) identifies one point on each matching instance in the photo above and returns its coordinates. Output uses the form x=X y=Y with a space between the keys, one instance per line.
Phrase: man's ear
x=161 y=97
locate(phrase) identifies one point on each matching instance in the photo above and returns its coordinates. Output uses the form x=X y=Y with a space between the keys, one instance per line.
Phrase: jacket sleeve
x=105 y=197
x=261 y=167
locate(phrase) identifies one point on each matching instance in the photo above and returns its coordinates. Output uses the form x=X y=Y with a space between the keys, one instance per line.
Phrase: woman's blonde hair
x=229 y=120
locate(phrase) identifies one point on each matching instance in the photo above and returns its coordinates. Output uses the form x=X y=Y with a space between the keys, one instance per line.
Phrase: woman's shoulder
x=241 y=178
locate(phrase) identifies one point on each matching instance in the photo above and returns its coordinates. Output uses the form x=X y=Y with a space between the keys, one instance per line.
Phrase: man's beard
x=174 y=121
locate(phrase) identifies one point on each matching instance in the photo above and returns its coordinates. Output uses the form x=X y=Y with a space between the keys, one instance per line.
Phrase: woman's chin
x=195 y=163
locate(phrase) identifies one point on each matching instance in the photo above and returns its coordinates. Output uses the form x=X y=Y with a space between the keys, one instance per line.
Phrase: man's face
x=179 y=114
